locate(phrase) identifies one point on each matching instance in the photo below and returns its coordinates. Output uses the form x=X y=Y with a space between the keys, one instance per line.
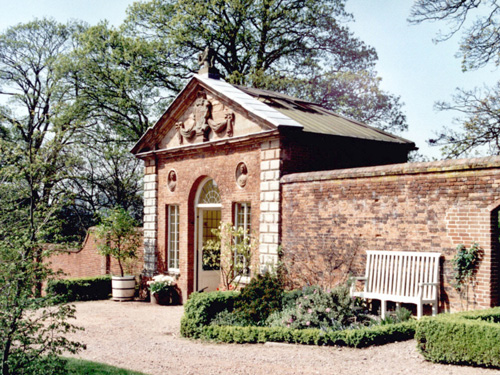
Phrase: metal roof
x=316 y=119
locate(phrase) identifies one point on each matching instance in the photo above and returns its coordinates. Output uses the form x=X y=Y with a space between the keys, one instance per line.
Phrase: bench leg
x=420 y=310
x=434 y=308
x=383 y=308
x=398 y=305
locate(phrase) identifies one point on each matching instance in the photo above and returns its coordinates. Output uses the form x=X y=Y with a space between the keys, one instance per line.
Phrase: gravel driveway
x=145 y=337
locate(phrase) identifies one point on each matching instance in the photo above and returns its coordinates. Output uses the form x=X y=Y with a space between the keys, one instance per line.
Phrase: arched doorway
x=208 y=213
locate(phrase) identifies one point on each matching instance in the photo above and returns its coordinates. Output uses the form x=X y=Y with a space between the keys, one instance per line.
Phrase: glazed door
x=208 y=270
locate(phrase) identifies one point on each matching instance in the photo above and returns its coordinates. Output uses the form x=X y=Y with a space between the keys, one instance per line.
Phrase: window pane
x=242 y=215
x=173 y=237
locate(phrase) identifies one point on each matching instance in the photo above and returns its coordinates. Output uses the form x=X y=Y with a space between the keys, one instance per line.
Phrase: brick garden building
x=309 y=180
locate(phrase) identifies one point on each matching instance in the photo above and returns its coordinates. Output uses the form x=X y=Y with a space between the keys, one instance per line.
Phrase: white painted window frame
x=173 y=238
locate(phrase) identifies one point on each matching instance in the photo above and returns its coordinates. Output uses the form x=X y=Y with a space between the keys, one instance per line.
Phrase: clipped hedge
x=201 y=308
x=81 y=289
x=466 y=338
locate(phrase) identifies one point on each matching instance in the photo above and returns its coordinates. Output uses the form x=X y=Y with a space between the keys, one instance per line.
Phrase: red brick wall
x=422 y=206
x=86 y=261
x=219 y=163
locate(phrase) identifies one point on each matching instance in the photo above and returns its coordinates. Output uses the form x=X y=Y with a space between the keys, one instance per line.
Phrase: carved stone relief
x=200 y=122
x=241 y=174
x=172 y=180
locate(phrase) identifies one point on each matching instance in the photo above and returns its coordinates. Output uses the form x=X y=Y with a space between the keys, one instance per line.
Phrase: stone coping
x=442 y=166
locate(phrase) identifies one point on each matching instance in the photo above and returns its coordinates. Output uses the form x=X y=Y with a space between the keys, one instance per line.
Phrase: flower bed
x=312 y=317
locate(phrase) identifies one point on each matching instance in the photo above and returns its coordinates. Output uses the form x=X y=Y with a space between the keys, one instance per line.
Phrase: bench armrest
x=358 y=278
x=421 y=288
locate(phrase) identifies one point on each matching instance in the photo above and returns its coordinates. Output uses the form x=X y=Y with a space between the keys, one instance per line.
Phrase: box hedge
x=467 y=338
x=81 y=289
x=201 y=308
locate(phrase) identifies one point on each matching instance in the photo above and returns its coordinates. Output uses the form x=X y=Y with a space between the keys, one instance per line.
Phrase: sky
x=410 y=64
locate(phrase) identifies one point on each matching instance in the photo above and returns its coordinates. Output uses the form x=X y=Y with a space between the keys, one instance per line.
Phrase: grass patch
x=82 y=367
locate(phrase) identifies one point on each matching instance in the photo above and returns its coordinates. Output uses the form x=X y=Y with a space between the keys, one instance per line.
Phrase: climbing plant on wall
x=465 y=264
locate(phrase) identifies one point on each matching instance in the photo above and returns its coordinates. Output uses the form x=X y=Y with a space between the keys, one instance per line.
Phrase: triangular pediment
x=205 y=111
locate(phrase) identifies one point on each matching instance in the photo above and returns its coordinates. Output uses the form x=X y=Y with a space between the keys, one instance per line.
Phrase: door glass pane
x=211 y=250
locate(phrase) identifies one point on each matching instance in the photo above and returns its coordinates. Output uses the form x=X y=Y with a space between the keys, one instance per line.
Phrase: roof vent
x=206 y=61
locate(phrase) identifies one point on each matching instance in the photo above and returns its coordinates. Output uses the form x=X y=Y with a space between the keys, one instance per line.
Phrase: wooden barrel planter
x=123 y=288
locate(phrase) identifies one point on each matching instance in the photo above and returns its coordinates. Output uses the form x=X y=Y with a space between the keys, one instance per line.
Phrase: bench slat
x=401 y=276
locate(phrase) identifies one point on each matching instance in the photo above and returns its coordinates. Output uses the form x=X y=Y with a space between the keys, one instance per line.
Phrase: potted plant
x=162 y=289
x=120 y=239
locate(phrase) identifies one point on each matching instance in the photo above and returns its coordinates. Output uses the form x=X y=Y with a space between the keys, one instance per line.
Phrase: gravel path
x=145 y=337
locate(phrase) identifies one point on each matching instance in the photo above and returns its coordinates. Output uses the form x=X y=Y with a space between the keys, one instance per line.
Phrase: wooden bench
x=401 y=277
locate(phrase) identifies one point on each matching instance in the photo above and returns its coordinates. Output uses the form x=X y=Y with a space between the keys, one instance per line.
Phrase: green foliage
x=231 y=253
x=358 y=338
x=466 y=338
x=32 y=328
x=399 y=316
x=317 y=308
x=39 y=124
x=82 y=367
x=465 y=264
x=119 y=235
x=201 y=308
x=299 y=47
x=261 y=297
x=203 y=312
x=229 y=318
x=81 y=289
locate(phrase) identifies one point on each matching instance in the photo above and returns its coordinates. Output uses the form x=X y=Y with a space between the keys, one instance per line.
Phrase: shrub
x=399 y=316
x=81 y=289
x=261 y=297
x=317 y=308
x=201 y=308
x=467 y=338
x=375 y=335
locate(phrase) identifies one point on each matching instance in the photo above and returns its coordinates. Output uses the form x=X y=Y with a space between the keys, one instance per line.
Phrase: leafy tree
x=32 y=329
x=120 y=236
x=121 y=81
x=479 y=108
x=300 y=47
x=38 y=124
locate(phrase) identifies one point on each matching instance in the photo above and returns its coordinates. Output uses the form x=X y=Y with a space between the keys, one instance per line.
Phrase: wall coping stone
x=442 y=166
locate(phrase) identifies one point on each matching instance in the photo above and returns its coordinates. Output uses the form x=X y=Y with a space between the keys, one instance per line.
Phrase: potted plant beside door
x=119 y=238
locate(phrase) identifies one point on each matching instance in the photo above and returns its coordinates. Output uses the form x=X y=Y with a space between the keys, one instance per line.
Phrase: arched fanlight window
x=209 y=193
